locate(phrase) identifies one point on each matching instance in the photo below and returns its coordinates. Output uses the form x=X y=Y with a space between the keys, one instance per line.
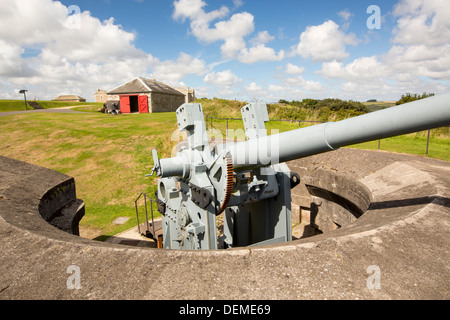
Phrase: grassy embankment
x=107 y=155
x=415 y=143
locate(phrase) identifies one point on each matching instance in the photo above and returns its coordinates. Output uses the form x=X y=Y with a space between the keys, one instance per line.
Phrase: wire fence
x=301 y=123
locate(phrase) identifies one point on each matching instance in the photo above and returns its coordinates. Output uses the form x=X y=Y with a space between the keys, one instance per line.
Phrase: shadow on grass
x=102 y=238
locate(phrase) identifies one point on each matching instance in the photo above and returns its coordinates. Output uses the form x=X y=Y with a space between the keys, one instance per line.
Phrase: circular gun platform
x=382 y=222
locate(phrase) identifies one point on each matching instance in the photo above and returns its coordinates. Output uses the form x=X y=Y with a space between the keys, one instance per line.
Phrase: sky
x=232 y=49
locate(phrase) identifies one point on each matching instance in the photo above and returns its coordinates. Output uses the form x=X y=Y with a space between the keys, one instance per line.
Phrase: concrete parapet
x=398 y=248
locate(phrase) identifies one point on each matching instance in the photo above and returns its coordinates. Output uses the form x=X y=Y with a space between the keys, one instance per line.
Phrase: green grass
x=108 y=156
x=379 y=105
x=19 y=105
x=12 y=105
x=416 y=144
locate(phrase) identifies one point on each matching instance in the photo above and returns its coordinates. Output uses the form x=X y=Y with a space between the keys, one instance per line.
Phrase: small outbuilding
x=70 y=98
x=188 y=93
x=101 y=96
x=146 y=96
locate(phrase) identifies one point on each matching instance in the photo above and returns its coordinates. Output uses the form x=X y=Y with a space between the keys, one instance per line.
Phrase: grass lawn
x=375 y=106
x=109 y=156
x=19 y=105
x=415 y=143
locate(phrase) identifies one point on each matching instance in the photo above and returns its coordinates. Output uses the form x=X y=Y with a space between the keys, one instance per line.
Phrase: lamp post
x=25 y=97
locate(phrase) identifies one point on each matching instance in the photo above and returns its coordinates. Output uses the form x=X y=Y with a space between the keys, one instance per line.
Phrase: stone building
x=146 y=96
x=101 y=96
x=189 y=94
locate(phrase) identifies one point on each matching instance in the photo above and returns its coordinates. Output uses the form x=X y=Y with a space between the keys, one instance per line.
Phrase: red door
x=125 y=104
x=143 y=104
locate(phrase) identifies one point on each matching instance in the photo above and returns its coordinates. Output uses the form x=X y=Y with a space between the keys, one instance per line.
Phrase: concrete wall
x=327 y=200
x=404 y=233
x=54 y=194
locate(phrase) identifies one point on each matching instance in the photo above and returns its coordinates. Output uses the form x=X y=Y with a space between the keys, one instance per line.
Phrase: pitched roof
x=69 y=97
x=142 y=85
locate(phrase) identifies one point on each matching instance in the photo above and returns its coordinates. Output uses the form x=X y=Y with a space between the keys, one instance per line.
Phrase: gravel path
x=54 y=110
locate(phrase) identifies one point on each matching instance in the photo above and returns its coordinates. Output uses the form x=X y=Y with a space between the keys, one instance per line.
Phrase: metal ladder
x=156 y=231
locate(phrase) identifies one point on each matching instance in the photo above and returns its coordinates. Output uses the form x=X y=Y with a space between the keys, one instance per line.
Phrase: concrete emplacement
x=382 y=223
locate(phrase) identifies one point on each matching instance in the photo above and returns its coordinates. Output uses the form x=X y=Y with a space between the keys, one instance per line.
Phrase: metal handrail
x=146 y=211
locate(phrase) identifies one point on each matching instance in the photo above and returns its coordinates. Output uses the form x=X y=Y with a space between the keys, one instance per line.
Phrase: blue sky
x=235 y=49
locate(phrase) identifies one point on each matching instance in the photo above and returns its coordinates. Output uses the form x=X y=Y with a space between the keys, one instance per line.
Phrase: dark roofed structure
x=70 y=98
x=142 y=85
x=146 y=96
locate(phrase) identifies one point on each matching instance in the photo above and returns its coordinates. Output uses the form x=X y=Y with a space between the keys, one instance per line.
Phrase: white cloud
x=223 y=78
x=201 y=92
x=345 y=14
x=325 y=42
x=422 y=39
x=298 y=82
x=293 y=69
x=275 y=92
x=367 y=68
x=263 y=37
x=193 y=9
x=231 y=31
x=174 y=71
x=238 y=3
x=292 y=87
x=66 y=59
x=74 y=59
x=253 y=87
x=418 y=61
x=47 y=24
x=260 y=53
x=422 y=22
x=255 y=91
x=225 y=83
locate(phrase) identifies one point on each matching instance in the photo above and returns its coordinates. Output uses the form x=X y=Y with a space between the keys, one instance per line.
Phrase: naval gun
x=249 y=182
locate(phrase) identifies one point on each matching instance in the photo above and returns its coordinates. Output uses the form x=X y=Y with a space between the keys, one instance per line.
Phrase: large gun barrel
x=249 y=181
x=416 y=116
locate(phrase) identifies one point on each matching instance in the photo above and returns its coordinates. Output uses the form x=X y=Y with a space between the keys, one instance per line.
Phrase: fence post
x=428 y=141
x=226 y=132
x=379 y=144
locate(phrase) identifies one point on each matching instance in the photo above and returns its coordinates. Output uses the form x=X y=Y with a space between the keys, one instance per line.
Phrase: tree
x=409 y=97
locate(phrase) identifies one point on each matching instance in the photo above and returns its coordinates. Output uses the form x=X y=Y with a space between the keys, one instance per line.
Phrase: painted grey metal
x=249 y=181
x=200 y=183
x=416 y=116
